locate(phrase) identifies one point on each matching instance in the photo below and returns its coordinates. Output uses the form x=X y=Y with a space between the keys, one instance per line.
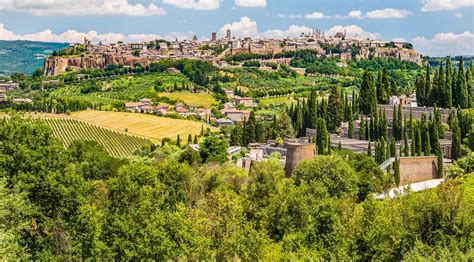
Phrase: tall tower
x=214 y=36
x=228 y=34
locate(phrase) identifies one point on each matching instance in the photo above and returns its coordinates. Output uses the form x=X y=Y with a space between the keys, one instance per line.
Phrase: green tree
x=461 y=87
x=213 y=149
x=368 y=96
x=322 y=137
x=335 y=109
x=331 y=171
x=456 y=139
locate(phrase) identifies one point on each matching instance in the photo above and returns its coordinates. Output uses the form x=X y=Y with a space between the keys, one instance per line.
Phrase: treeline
x=173 y=203
x=447 y=87
x=58 y=105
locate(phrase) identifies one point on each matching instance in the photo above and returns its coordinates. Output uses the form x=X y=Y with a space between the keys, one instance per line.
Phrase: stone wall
x=416 y=169
x=297 y=152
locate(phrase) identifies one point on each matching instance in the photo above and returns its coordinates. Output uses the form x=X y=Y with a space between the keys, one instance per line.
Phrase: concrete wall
x=416 y=169
x=297 y=152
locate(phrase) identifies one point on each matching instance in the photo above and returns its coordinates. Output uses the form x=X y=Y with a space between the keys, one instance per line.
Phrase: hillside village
x=345 y=48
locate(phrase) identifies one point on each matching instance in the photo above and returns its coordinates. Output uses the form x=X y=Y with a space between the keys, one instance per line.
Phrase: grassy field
x=196 y=99
x=117 y=144
x=152 y=127
x=276 y=101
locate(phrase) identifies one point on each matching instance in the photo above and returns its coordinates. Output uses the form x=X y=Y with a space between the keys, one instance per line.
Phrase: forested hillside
x=24 y=56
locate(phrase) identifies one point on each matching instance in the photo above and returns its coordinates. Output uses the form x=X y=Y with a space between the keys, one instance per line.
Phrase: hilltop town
x=218 y=50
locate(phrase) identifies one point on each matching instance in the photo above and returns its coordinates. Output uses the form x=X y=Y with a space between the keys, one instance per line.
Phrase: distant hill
x=24 y=56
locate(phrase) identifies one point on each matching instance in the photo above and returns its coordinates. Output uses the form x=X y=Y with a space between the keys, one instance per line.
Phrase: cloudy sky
x=435 y=27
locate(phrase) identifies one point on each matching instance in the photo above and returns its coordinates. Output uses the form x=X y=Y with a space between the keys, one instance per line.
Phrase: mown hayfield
x=196 y=99
x=149 y=126
x=116 y=143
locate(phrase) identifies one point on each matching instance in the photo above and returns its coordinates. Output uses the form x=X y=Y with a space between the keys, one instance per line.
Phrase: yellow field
x=152 y=127
x=196 y=99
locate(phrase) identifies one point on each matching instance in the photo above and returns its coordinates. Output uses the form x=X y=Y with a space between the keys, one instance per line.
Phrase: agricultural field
x=116 y=143
x=265 y=102
x=124 y=88
x=149 y=126
x=196 y=99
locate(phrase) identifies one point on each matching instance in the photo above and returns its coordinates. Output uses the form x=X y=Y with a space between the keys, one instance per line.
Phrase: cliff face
x=57 y=65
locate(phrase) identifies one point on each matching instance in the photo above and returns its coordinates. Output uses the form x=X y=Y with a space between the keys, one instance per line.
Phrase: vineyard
x=117 y=144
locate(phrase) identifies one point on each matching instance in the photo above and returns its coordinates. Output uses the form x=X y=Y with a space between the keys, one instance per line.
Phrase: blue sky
x=436 y=27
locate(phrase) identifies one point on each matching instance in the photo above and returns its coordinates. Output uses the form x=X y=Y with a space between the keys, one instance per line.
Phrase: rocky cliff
x=56 y=65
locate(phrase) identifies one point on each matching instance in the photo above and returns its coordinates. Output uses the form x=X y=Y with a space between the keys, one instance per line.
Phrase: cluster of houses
x=145 y=105
x=232 y=113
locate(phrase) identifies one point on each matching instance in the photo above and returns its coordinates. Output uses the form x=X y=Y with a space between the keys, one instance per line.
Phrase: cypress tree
x=456 y=139
x=321 y=136
x=448 y=84
x=454 y=90
x=440 y=164
x=178 y=141
x=442 y=91
x=350 y=132
x=384 y=126
x=427 y=83
x=250 y=129
x=195 y=141
x=428 y=141
x=435 y=145
x=418 y=144
x=335 y=109
x=190 y=139
x=339 y=146
x=362 y=134
x=380 y=88
x=399 y=122
x=393 y=149
x=274 y=127
x=368 y=94
x=420 y=90
x=406 y=147
x=461 y=86
x=397 y=171
x=413 y=142
x=395 y=123
x=163 y=142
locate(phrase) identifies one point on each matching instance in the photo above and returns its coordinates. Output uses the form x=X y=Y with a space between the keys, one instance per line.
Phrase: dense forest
x=170 y=202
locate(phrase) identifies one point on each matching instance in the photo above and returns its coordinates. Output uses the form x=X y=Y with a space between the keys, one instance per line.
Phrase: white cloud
x=316 y=15
x=355 y=14
x=80 y=8
x=458 y=15
x=437 y=5
x=399 y=39
x=195 y=4
x=245 y=27
x=443 y=44
x=352 y=30
x=388 y=13
x=292 y=31
x=251 y=3
x=73 y=36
